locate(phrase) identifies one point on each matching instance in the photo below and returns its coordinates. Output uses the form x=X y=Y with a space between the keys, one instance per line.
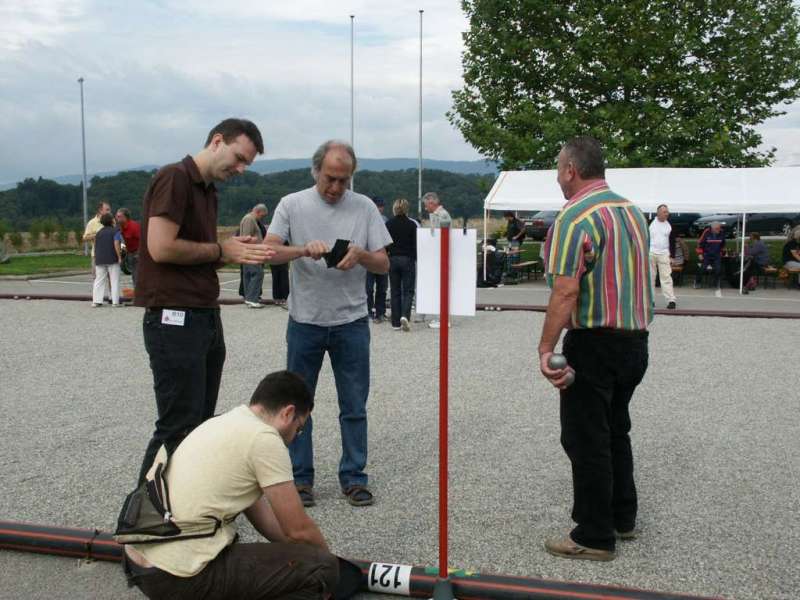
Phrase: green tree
x=659 y=82
x=35 y=230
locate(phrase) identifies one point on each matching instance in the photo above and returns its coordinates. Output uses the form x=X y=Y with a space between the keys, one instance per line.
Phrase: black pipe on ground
x=752 y=314
x=387 y=578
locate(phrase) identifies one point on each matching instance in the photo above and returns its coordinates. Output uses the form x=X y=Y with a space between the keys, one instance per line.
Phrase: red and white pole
x=443 y=589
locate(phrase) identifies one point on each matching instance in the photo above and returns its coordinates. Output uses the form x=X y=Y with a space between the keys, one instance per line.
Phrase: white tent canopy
x=768 y=189
x=752 y=190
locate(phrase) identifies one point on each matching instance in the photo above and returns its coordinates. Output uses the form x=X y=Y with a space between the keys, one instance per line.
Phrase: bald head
x=332 y=166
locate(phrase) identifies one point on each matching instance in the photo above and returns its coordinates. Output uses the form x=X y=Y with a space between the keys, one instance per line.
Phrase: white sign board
x=463 y=271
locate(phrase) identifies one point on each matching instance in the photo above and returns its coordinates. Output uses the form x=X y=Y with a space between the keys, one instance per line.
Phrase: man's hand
x=351 y=259
x=242 y=250
x=557 y=377
x=315 y=249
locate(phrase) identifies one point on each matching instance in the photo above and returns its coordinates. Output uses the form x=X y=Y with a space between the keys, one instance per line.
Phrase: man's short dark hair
x=106 y=220
x=586 y=155
x=101 y=204
x=660 y=206
x=125 y=213
x=280 y=389
x=233 y=128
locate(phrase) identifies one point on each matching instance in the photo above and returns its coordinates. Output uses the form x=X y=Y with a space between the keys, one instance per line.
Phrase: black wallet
x=337 y=253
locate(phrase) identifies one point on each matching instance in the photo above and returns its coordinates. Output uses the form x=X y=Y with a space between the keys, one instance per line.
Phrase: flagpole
x=352 y=92
x=419 y=159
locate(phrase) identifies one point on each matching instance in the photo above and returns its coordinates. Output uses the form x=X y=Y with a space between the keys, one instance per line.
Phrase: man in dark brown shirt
x=177 y=280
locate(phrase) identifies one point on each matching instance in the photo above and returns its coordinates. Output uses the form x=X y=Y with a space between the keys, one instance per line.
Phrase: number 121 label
x=389 y=579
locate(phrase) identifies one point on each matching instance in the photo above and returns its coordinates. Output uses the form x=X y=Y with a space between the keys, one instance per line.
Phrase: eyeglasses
x=301 y=427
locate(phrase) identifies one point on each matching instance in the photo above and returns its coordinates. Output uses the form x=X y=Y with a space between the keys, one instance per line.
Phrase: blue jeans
x=253 y=276
x=348 y=348
x=401 y=276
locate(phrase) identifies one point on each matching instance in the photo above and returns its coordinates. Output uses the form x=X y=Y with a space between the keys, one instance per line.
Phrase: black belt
x=632 y=333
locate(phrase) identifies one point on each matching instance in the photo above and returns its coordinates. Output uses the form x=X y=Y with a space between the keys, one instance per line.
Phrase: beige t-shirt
x=218 y=470
x=92 y=227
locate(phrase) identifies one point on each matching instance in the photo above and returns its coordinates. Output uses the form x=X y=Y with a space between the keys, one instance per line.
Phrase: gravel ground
x=715 y=438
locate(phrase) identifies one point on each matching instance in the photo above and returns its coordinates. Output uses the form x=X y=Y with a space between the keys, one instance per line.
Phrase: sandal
x=358 y=495
x=306 y=493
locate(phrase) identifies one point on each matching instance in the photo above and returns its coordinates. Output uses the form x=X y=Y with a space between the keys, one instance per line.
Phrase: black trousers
x=186 y=362
x=376 y=293
x=280 y=281
x=595 y=426
x=257 y=571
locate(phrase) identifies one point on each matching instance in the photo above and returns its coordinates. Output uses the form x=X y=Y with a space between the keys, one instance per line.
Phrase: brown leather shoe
x=566 y=548
x=306 y=493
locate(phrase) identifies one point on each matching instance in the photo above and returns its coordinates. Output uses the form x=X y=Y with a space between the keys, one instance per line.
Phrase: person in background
x=108 y=256
x=280 y=285
x=515 y=235
x=252 y=226
x=678 y=250
x=791 y=251
x=92 y=227
x=131 y=235
x=402 y=264
x=660 y=264
x=377 y=283
x=756 y=259
x=709 y=252
x=439 y=217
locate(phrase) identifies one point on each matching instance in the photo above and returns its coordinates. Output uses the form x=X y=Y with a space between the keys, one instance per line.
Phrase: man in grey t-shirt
x=328 y=306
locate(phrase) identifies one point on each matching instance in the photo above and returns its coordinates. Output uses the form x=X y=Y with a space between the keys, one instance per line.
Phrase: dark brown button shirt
x=179 y=193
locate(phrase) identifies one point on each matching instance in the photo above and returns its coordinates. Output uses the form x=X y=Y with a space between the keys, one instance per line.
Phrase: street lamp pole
x=83 y=147
x=352 y=92
x=419 y=159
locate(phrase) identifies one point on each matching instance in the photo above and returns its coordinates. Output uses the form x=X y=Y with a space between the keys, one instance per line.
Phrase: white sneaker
x=434 y=324
x=405 y=324
x=718 y=293
x=395 y=328
x=254 y=304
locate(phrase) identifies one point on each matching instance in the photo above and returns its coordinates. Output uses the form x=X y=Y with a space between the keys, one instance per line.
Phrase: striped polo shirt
x=603 y=240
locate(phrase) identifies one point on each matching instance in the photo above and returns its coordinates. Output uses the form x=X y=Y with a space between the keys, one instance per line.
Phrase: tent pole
x=741 y=254
x=485 y=218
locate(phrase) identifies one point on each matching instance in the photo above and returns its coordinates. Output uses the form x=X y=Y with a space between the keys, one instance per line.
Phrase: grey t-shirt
x=319 y=295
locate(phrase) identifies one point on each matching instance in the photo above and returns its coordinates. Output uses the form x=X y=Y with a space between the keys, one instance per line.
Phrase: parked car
x=771 y=223
x=763 y=223
x=681 y=222
x=537 y=226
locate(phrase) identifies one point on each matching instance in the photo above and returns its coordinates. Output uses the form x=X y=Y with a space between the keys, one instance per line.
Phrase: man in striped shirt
x=597 y=264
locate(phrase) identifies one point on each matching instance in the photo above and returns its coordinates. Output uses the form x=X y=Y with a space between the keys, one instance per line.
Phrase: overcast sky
x=160 y=73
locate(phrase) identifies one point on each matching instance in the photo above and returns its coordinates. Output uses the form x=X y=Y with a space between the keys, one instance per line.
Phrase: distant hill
x=35 y=199
x=277 y=165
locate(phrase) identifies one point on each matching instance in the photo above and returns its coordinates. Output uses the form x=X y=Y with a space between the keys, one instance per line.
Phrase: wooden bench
x=767 y=275
x=527 y=268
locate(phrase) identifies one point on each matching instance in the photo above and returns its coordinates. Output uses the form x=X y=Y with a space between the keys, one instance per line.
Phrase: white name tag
x=173 y=317
x=389 y=579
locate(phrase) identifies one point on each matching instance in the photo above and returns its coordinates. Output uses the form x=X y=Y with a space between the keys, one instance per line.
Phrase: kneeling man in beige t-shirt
x=239 y=462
